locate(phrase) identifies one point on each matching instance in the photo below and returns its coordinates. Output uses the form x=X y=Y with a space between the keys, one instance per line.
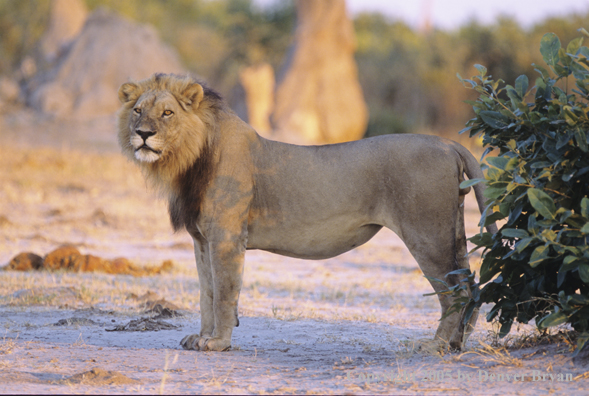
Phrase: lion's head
x=166 y=123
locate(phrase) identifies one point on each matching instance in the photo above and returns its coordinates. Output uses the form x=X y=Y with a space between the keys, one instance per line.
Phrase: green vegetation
x=408 y=76
x=537 y=265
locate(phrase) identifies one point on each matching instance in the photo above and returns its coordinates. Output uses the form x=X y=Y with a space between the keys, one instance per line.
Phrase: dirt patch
x=69 y=258
x=145 y=324
x=98 y=376
x=76 y=321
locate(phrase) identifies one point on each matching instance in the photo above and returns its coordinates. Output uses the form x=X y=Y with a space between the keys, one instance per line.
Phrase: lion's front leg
x=227 y=259
x=205 y=277
x=224 y=277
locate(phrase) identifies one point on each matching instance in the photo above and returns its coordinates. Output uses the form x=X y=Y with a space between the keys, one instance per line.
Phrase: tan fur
x=233 y=190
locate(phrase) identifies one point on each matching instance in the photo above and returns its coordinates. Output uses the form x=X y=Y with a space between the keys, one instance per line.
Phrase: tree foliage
x=407 y=74
x=537 y=265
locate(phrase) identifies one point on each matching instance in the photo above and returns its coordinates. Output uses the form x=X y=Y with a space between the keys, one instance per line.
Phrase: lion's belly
x=321 y=240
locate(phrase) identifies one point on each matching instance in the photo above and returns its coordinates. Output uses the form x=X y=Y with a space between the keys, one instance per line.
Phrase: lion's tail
x=473 y=170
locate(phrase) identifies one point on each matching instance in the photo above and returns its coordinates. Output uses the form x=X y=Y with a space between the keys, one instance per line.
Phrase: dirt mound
x=65 y=21
x=69 y=258
x=98 y=376
x=108 y=51
x=26 y=262
x=319 y=98
x=152 y=303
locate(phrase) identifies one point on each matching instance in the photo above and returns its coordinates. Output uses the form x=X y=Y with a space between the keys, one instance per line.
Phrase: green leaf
x=584 y=337
x=549 y=46
x=532 y=225
x=554 y=319
x=471 y=182
x=498 y=162
x=585 y=229
x=482 y=239
x=494 y=192
x=585 y=207
x=494 y=119
x=482 y=69
x=570 y=117
x=538 y=255
x=514 y=233
x=574 y=45
x=505 y=328
x=542 y=202
x=544 y=74
x=512 y=163
x=584 y=272
x=569 y=263
x=521 y=85
x=514 y=97
x=581 y=139
x=549 y=235
x=523 y=243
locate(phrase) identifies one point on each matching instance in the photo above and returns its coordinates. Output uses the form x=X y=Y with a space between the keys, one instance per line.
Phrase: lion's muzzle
x=143 y=149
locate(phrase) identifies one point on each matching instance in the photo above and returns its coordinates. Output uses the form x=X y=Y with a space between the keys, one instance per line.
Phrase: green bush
x=537 y=265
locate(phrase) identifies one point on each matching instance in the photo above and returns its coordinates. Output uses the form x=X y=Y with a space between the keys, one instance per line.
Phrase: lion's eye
x=168 y=113
x=137 y=110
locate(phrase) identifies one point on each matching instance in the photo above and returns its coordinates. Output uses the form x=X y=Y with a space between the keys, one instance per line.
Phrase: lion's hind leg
x=435 y=245
x=460 y=335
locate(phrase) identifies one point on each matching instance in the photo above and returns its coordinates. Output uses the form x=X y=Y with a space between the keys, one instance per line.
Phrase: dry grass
x=7 y=345
x=494 y=355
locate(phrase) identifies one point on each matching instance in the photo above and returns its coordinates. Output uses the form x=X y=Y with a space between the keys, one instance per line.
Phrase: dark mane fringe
x=213 y=98
x=184 y=207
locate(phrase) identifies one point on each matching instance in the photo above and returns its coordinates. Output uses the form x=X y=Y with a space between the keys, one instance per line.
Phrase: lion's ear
x=193 y=95
x=128 y=92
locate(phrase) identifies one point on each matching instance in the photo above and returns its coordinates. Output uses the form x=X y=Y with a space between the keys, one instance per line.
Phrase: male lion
x=233 y=190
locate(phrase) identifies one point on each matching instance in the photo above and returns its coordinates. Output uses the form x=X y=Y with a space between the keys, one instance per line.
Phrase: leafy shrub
x=537 y=265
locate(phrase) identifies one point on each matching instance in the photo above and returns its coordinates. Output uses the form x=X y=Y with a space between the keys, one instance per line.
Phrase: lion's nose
x=144 y=134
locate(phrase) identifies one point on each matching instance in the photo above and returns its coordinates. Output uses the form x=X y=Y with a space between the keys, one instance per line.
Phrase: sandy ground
x=344 y=325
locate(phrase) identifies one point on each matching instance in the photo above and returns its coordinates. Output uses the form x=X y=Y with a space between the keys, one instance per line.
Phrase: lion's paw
x=198 y=343
x=214 y=344
x=431 y=347
x=191 y=342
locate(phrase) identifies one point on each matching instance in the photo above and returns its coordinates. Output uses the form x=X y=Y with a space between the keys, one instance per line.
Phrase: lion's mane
x=184 y=168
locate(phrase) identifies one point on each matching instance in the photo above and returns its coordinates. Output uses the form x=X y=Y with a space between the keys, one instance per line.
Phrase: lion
x=233 y=190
